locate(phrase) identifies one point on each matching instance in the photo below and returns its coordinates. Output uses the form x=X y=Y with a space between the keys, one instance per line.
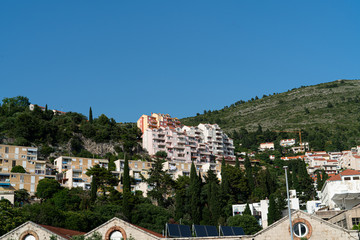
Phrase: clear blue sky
x=128 y=58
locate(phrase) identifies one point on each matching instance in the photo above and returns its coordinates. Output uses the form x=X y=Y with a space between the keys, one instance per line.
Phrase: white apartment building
x=219 y=143
x=341 y=191
x=287 y=142
x=350 y=159
x=266 y=146
x=199 y=144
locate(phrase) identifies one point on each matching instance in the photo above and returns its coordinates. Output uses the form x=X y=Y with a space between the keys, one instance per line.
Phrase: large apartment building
x=11 y=156
x=157 y=120
x=201 y=144
x=16 y=181
x=72 y=170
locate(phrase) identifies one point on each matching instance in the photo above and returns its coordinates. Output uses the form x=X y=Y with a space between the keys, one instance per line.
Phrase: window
x=6 y=149
x=347 y=178
x=29 y=237
x=300 y=229
x=355 y=178
x=355 y=221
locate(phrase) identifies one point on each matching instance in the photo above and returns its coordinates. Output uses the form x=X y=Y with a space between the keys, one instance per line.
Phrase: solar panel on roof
x=227 y=231
x=200 y=231
x=211 y=231
x=176 y=230
x=238 y=230
x=173 y=230
x=185 y=231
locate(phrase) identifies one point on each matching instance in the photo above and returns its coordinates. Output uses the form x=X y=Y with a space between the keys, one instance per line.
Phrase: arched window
x=116 y=235
x=29 y=237
x=300 y=229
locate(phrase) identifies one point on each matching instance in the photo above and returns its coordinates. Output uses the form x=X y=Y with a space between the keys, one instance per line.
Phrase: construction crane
x=294 y=131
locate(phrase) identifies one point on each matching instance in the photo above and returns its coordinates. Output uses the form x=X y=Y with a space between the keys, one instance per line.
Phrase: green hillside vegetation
x=327 y=113
x=63 y=133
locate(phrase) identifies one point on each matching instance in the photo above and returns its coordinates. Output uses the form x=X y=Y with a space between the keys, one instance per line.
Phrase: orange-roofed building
x=342 y=191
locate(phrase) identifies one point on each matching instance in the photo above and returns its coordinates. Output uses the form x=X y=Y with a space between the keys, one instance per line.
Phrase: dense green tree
x=181 y=196
x=195 y=191
x=21 y=197
x=247 y=222
x=161 y=183
x=46 y=188
x=248 y=170
x=90 y=115
x=150 y=216
x=94 y=188
x=126 y=191
x=161 y=154
x=247 y=210
x=18 y=169
x=10 y=217
x=104 y=178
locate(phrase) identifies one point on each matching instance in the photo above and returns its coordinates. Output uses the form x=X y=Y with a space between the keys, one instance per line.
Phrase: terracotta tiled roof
x=65 y=233
x=347 y=172
x=149 y=231
x=334 y=178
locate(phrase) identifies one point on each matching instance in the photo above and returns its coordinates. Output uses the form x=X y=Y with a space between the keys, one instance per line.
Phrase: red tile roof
x=347 y=172
x=149 y=231
x=63 y=232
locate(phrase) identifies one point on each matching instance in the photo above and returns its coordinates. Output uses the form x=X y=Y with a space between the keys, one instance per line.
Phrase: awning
x=345 y=196
x=4 y=184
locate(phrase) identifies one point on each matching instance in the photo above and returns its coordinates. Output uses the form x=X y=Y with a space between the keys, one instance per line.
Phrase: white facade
x=266 y=146
x=313 y=206
x=287 y=142
x=199 y=144
x=341 y=191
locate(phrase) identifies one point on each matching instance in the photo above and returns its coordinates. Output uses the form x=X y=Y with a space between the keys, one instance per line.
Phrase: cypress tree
x=247 y=210
x=90 y=115
x=318 y=181
x=94 y=185
x=195 y=190
x=46 y=108
x=126 y=191
x=272 y=210
x=324 y=177
x=249 y=174
x=237 y=164
x=224 y=178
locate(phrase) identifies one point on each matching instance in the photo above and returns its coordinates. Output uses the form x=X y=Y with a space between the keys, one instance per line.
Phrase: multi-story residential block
x=200 y=144
x=72 y=170
x=342 y=191
x=287 y=142
x=350 y=159
x=219 y=143
x=16 y=181
x=65 y=163
x=157 y=120
x=266 y=146
x=11 y=156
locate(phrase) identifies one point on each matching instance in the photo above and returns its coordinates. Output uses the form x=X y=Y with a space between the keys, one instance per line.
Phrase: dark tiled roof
x=63 y=232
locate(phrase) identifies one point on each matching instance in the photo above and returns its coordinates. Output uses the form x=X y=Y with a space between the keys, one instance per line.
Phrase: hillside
x=66 y=134
x=332 y=106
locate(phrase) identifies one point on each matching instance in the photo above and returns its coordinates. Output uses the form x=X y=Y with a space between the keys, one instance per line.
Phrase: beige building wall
x=16 y=181
x=27 y=228
x=11 y=156
x=125 y=228
x=318 y=229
